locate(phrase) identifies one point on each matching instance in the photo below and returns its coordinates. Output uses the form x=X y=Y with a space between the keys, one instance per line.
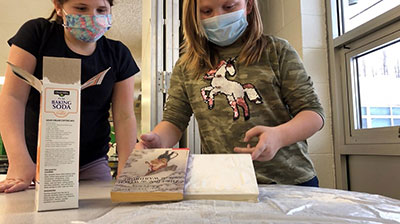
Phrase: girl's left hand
x=269 y=142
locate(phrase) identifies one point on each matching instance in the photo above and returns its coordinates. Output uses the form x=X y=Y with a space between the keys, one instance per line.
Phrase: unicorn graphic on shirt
x=234 y=91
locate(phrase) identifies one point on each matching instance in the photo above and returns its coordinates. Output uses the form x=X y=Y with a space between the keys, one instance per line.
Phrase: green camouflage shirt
x=233 y=98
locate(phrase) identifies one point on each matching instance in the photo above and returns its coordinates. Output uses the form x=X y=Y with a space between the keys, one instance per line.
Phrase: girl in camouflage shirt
x=249 y=93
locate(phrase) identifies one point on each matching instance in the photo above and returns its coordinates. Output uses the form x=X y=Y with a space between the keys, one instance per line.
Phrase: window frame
x=344 y=145
x=353 y=134
x=369 y=27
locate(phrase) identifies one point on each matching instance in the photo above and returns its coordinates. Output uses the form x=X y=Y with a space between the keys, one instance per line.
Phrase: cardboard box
x=57 y=172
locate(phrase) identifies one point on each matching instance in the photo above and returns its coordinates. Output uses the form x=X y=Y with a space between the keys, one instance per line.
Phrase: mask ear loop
x=109 y=20
x=65 y=13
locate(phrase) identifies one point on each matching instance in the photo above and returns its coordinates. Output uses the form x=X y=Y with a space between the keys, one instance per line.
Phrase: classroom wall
x=127 y=27
x=12 y=15
x=302 y=23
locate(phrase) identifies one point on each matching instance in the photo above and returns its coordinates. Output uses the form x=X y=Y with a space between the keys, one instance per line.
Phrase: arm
x=176 y=115
x=164 y=135
x=13 y=98
x=124 y=119
x=297 y=93
x=271 y=139
x=169 y=134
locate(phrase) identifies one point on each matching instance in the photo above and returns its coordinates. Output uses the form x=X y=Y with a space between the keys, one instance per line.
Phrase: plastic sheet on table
x=277 y=204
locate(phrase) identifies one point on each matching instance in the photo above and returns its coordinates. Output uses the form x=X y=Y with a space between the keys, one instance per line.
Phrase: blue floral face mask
x=87 y=28
x=225 y=29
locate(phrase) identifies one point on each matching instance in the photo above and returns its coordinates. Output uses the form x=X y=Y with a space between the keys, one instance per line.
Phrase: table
x=277 y=204
x=94 y=201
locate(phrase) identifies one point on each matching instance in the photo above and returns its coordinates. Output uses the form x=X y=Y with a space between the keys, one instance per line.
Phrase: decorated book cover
x=152 y=175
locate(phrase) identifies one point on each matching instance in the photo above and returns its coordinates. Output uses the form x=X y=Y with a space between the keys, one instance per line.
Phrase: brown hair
x=198 y=54
x=58 y=18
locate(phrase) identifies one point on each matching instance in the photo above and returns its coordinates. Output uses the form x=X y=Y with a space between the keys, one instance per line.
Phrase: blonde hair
x=199 y=55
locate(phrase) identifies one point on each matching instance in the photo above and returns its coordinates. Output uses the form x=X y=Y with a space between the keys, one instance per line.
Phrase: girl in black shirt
x=19 y=103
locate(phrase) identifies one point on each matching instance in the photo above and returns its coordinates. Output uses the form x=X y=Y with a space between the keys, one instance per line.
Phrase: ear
x=58 y=8
x=59 y=12
x=249 y=6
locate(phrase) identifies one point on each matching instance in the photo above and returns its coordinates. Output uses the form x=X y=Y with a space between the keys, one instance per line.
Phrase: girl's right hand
x=149 y=140
x=18 y=178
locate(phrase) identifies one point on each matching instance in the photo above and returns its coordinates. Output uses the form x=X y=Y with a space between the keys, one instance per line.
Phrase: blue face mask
x=225 y=29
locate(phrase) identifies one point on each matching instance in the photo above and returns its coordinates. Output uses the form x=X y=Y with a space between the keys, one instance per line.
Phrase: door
x=160 y=44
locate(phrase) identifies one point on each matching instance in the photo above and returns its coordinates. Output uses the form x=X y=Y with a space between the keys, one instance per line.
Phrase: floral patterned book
x=152 y=175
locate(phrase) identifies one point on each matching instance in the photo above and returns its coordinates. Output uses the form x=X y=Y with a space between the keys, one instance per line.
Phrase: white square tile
x=322 y=141
x=313 y=7
x=273 y=16
x=291 y=10
x=12 y=16
x=322 y=89
x=314 y=31
x=316 y=63
x=292 y=33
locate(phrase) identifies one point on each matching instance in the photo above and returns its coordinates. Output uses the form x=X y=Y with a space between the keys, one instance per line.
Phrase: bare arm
x=169 y=133
x=124 y=119
x=301 y=127
x=13 y=98
x=164 y=135
x=271 y=139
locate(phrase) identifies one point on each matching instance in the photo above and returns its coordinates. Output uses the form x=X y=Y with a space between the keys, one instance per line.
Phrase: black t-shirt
x=41 y=37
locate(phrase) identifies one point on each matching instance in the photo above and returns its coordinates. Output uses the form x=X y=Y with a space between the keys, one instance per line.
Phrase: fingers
x=145 y=141
x=148 y=137
x=139 y=145
x=150 y=140
x=17 y=187
x=248 y=149
x=260 y=152
x=264 y=158
x=253 y=132
x=13 y=185
x=4 y=185
x=254 y=151
x=260 y=148
x=258 y=155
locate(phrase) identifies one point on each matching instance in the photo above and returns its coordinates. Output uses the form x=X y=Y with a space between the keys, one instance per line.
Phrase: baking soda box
x=57 y=166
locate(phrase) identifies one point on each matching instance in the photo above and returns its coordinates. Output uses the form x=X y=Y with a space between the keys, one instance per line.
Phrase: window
x=377 y=73
x=366 y=42
x=354 y=13
x=372 y=77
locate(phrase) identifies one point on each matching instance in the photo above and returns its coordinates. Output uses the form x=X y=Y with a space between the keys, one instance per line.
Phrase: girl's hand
x=269 y=142
x=18 y=178
x=149 y=140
